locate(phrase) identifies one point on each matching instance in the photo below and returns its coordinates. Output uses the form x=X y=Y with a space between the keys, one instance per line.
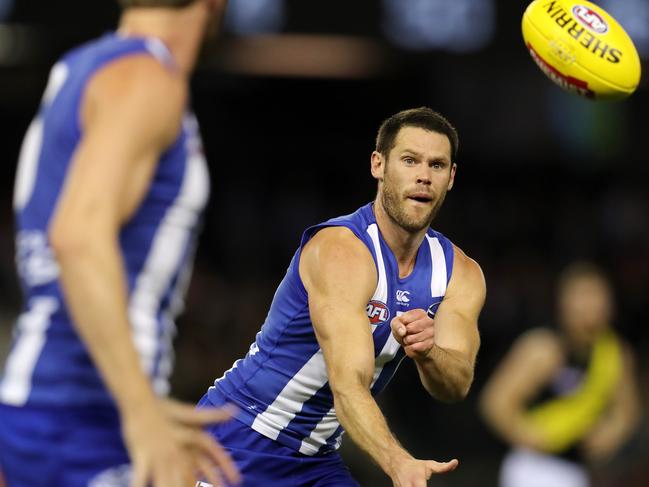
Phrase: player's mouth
x=423 y=198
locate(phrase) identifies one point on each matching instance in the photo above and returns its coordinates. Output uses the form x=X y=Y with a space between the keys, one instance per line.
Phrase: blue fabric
x=63 y=373
x=282 y=367
x=264 y=462
x=58 y=447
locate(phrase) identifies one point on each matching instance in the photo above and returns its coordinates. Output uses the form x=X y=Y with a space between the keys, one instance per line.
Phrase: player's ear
x=451 y=181
x=377 y=165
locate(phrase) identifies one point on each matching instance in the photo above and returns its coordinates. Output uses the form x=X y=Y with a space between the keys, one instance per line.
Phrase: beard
x=394 y=205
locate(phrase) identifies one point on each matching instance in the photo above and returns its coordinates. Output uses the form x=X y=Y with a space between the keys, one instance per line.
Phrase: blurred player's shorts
x=71 y=447
x=532 y=469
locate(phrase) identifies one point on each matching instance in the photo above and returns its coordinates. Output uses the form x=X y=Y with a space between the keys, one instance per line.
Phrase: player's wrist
x=143 y=424
x=428 y=357
x=394 y=460
x=138 y=405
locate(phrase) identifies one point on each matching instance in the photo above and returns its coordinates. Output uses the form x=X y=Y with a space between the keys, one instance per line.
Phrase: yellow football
x=581 y=48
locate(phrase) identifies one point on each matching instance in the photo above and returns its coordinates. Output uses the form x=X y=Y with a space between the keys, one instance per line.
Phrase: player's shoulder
x=540 y=344
x=336 y=242
x=139 y=78
x=467 y=273
x=138 y=91
x=336 y=262
x=464 y=263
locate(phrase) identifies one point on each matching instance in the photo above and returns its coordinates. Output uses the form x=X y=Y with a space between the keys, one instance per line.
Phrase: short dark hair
x=422 y=117
x=155 y=3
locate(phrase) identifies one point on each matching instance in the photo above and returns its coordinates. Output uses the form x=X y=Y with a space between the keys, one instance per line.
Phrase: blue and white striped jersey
x=281 y=385
x=48 y=364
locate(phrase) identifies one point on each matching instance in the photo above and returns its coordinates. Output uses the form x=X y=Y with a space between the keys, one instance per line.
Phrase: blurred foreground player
x=566 y=397
x=360 y=294
x=110 y=189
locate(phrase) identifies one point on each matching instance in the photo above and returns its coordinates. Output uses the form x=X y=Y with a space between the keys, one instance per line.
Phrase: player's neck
x=181 y=30
x=403 y=244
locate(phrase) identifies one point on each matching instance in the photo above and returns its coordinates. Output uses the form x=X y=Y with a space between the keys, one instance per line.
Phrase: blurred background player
x=564 y=398
x=109 y=193
x=360 y=294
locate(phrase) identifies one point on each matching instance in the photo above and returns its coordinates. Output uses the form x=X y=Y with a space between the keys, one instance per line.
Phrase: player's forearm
x=95 y=291
x=507 y=419
x=514 y=429
x=621 y=418
x=363 y=421
x=446 y=374
x=615 y=428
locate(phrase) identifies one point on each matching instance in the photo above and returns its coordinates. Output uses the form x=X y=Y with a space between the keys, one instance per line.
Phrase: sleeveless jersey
x=577 y=396
x=48 y=364
x=281 y=386
x=565 y=381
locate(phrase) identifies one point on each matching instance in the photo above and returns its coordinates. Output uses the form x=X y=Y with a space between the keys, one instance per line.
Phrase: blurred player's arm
x=527 y=368
x=445 y=349
x=130 y=113
x=622 y=417
x=339 y=275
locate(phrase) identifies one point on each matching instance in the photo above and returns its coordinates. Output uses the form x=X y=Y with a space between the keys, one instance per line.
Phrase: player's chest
x=399 y=298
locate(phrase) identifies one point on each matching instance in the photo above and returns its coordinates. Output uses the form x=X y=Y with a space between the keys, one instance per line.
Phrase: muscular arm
x=622 y=416
x=445 y=349
x=131 y=112
x=340 y=276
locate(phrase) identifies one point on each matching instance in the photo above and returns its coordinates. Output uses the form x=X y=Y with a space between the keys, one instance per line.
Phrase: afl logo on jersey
x=377 y=312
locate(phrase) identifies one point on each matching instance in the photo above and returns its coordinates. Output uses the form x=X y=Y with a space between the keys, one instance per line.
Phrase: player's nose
x=424 y=178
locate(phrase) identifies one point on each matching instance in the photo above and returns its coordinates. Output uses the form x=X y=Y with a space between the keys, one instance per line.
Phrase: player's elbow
x=454 y=393
x=346 y=388
x=493 y=405
x=70 y=239
x=63 y=242
x=486 y=405
x=455 y=389
x=462 y=390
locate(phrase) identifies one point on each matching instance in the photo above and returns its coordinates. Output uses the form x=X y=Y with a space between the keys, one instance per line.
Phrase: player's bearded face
x=412 y=192
x=396 y=203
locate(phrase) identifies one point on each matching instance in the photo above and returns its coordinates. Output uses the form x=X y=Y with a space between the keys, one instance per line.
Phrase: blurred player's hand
x=599 y=446
x=415 y=473
x=415 y=331
x=168 y=447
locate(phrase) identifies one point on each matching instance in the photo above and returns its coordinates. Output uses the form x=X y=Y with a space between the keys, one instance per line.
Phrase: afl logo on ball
x=590 y=19
x=377 y=312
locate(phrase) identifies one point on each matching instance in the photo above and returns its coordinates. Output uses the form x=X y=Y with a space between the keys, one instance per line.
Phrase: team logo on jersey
x=432 y=309
x=377 y=312
x=402 y=297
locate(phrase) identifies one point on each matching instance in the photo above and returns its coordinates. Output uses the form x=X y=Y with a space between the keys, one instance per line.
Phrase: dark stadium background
x=289 y=103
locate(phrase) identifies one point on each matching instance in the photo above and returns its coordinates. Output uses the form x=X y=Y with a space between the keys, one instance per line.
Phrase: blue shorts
x=62 y=447
x=265 y=462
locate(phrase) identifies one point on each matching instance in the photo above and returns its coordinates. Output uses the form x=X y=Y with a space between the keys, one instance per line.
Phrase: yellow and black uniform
x=565 y=412
x=578 y=395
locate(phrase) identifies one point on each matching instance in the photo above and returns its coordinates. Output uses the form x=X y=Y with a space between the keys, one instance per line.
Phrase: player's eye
x=409 y=161
x=437 y=165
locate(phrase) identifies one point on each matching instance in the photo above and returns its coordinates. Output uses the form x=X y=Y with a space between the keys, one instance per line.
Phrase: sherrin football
x=581 y=48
